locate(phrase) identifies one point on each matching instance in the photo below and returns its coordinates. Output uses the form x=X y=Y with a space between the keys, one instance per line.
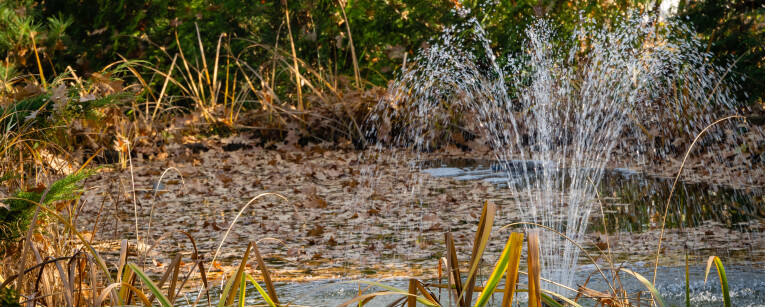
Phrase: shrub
x=9 y=298
x=733 y=31
x=17 y=211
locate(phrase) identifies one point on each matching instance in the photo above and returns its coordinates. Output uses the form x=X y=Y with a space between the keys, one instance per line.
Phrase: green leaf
x=152 y=286
x=499 y=270
x=242 y=290
x=723 y=278
x=657 y=297
x=550 y=301
x=260 y=289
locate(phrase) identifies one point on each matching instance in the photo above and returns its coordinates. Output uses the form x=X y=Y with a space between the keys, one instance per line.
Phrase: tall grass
x=222 y=87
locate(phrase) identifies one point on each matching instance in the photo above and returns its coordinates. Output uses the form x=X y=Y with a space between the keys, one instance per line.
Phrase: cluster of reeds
x=51 y=125
x=55 y=263
x=67 y=270
x=461 y=287
x=221 y=88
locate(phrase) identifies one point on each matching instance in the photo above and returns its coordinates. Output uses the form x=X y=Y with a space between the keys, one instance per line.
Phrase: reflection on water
x=632 y=201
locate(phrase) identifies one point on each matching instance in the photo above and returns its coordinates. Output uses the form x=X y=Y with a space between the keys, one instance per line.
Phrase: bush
x=19 y=23
x=16 y=212
x=734 y=31
x=9 y=298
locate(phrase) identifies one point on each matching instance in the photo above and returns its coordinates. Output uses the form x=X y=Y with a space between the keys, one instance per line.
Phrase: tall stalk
x=294 y=59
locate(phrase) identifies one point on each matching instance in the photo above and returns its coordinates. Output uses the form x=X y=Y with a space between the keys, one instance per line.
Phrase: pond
x=631 y=199
x=631 y=203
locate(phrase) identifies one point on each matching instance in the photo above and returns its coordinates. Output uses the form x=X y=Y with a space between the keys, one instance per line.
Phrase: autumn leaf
x=315 y=202
x=331 y=241
x=317 y=231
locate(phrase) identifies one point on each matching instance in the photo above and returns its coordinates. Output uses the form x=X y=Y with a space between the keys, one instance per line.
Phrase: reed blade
x=511 y=277
x=152 y=287
x=535 y=290
x=425 y=293
x=655 y=293
x=499 y=269
x=453 y=267
x=238 y=277
x=479 y=246
x=723 y=278
x=262 y=292
x=411 y=301
x=266 y=275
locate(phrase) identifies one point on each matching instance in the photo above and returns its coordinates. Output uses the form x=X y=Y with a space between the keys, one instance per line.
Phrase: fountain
x=555 y=113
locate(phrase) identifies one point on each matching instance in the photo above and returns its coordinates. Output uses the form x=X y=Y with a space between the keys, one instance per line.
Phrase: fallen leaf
x=331 y=241
x=315 y=202
x=317 y=231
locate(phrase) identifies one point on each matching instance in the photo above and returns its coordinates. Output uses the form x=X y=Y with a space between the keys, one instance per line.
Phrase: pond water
x=630 y=198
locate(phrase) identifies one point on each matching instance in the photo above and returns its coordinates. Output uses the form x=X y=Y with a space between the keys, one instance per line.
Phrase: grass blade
x=298 y=85
x=133 y=289
x=226 y=290
x=479 y=246
x=124 y=272
x=453 y=267
x=238 y=276
x=266 y=275
x=535 y=290
x=723 y=278
x=260 y=290
x=550 y=301
x=393 y=290
x=242 y=290
x=655 y=293
x=411 y=301
x=687 y=283
x=366 y=297
x=152 y=287
x=511 y=277
x=496 y=274
x=426 y=294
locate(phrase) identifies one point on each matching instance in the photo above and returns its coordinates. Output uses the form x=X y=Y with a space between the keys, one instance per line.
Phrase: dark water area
x=632 y=201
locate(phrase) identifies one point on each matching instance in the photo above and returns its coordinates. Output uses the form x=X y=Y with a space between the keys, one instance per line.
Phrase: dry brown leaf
x=316 y=231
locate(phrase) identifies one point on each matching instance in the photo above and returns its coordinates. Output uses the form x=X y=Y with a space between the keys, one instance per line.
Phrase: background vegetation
x=88 y=35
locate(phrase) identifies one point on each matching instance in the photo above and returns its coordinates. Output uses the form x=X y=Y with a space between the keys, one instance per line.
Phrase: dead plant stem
x=298 y=85
x=674 y=184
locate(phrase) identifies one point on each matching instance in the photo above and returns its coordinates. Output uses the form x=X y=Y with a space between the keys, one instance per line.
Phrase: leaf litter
x=337 y=222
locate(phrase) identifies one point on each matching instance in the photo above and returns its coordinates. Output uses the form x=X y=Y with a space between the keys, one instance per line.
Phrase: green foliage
x=41 y=111
x=9 y=298
x=734 y=31
x=382 y=30
x=20 y=21
x=18 y=210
